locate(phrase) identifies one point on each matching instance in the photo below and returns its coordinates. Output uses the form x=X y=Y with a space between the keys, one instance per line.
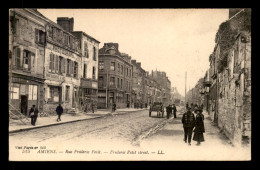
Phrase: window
x=126 y=85
x=112 y=81
x=86 y=49
x=118 y=83
x=85 y=71
x=27 y=58
x=94 y=53
x=101 y=66
x=67 y=95
x=121 y=83
x=32 y=92
x=130 y=72
x=100 y=81
x=75 y=69
x=18 y=58
x=53 y=94
x=112 y=66
x=15 y=91
x=127 y=71
x=118 y=68
x=39 y=36
x=122 y=70
x=94 y=73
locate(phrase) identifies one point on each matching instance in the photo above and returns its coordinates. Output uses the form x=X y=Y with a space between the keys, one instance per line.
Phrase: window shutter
x=62 y=64
x=50 y=63
x=36 y=35
x=29 y=61
x=72 y=68
x=56 y=64
x=18 y=58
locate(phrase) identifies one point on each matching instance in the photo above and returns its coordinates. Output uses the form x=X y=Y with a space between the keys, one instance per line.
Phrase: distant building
x=115 y=73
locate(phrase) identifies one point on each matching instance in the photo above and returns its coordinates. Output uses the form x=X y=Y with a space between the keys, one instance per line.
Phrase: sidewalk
x=216 y=145
x=17 y=125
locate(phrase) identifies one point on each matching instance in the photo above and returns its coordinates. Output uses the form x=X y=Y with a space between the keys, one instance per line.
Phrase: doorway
x=24 y=104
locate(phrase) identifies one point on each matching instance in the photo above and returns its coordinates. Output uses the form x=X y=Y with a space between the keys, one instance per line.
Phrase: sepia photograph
x=119 y=84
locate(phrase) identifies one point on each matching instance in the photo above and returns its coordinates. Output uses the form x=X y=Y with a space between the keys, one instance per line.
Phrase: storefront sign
x=55 y=77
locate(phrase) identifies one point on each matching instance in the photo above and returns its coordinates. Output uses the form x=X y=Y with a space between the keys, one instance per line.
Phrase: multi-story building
x=139 y=93
x=62 y=59
x=164 y=87
x=27 y=44
x=89 y=71
x=230 y=73
x=114 y=77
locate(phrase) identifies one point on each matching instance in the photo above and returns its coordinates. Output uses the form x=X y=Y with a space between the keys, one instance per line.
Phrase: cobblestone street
x=123 y=127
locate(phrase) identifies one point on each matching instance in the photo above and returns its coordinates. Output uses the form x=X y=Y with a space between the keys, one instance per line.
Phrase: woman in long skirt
x=199 y=127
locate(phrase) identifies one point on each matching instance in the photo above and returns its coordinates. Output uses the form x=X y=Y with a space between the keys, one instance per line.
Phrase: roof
x=86 y=35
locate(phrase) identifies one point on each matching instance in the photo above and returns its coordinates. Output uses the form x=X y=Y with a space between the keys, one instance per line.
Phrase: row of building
x=225 y=89
x=50 y=63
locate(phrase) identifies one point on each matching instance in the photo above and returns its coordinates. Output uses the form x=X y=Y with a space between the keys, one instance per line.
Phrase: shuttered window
x=18 y=58
x=63 y=65
x=36 y=35
x=68 y=67
x=56 y=64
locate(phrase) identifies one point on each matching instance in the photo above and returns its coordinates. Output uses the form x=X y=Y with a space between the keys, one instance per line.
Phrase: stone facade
x=27 y=52
x=114 y=77
x=230 y=78
x=88 y=93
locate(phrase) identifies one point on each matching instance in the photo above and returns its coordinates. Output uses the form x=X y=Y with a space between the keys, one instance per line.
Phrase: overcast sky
x=170 y=40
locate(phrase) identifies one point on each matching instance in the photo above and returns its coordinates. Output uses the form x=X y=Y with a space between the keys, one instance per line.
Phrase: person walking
x=114 y=107
x=168 y=111
x=59 y=111
x=187 y=106
x=199 y=127
x=188 y=121
x=174 y=110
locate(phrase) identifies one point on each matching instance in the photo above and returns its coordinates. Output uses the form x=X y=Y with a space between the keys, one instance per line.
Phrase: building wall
x=24 y=76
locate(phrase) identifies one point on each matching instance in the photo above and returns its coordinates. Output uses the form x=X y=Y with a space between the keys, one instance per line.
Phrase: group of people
x=171 y=109
x=192 y=123
x=33 y=113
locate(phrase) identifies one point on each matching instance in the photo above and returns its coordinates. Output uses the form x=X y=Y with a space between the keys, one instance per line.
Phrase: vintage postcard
x=129 y=84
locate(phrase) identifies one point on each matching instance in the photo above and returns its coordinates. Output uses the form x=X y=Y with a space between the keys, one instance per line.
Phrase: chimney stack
x=66 y=23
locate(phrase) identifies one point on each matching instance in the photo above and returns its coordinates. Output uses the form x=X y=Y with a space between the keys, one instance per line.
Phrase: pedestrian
x=114 y=107
x=192 y=107
x=187 y=105
x=201 y=106
x=36 y=111
x=31 y=114
x=59 y=111
x=199 y=127
x=92 y=107
x=188 y=121
x=168 y=111
x=174 y=110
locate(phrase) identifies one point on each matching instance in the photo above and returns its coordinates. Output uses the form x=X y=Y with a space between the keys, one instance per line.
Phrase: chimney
x=66 y=23
x=139 y=64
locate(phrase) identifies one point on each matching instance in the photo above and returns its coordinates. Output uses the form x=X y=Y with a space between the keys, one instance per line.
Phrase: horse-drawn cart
x=156 y=107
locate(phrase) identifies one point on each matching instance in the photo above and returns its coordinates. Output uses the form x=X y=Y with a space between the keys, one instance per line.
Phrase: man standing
x=188 y=121
x=59 y=111
x=31 y=114
x=168 y=110
x=174 y=111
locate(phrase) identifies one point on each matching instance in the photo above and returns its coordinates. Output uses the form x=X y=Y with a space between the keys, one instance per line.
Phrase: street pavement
x=216 y=146
x=159 y=138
